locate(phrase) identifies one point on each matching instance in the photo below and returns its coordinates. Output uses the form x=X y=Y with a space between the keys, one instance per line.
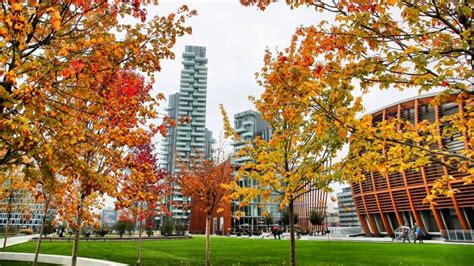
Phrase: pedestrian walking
x=419 y=234
x=405 y=233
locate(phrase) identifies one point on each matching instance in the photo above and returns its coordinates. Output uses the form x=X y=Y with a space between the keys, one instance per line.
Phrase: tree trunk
x=208 y=244
x=292 y=235
x=139 y=249
x=38 y=244
x=6 y=232
x=77 y=233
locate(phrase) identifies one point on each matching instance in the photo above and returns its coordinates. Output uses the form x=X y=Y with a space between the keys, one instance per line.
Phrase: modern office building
x=108 y=216
x=250 y=124
x=384 y=202
x=190 y=136
x=25 y=213
x=347 y=212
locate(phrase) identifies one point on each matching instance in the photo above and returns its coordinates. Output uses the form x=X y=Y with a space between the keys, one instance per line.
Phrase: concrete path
x=15 y=240
x=352 y=239
x=377 y=239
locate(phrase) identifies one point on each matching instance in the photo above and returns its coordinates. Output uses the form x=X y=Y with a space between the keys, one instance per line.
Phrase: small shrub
x=316 y=218
x=167 y=228
x=26 y=231
x=181 y=228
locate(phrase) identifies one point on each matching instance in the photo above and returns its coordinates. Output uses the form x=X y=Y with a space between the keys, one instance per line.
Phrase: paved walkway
x=14 y=240
x=352 y=239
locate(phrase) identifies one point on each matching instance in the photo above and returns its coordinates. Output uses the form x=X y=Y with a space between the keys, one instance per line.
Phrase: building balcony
x=184 y=128
x=189 y=62
x=185 y=99
x=188 y=71
x=241 y=130
x=186 y=88
x=200 y=85
x=200 y=76
x=197 y=123
x=186 y=108
x=201 y=68
x=198 y=114
x=187 y=80
x=189 y=54
x=247 y=123
x=200 y=139
x=199 y=134
x=183 y=148
x=247 y=134
x=195 y=103
x=200 y=59
x=183 y=113
x=197 y=94
x=183 y=138
x=198 y=144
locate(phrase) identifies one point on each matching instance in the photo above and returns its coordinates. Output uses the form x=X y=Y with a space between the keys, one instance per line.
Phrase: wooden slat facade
x=396 y=198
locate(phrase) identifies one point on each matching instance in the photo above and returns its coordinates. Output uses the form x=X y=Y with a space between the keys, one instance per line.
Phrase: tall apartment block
x=347 y=212
x=187 y=139
x=249 y=125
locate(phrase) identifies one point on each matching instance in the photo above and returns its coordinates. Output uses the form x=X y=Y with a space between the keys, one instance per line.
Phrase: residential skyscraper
x=190 y=137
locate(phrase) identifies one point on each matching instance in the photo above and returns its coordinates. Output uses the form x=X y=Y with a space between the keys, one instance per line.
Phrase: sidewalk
x=14 y=240
x=376 y=239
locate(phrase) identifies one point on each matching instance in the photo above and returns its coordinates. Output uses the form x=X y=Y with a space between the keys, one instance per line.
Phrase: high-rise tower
x=192 y=137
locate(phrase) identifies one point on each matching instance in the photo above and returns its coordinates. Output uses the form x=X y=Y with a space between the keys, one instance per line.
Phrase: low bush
x=26 y=231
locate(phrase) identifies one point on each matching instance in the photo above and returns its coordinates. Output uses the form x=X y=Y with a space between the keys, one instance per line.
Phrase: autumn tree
x=419 y=45
x=142 y=188
x=203 y=179
x=59 y=64
x=298 y=157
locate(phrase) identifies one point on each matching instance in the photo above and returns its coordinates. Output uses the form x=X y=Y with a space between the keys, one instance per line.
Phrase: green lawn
x=241 y=251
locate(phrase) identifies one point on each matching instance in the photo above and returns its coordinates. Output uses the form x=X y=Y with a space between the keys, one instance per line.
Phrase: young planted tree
x=421 y=45
x=47 y=190
x=298 y=157
x=66 y=90
x=204 y=180
x=142 y=188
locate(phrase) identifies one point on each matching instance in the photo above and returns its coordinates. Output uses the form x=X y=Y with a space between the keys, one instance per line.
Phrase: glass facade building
x=191 y=137
x=347 y=212
x=250 y=124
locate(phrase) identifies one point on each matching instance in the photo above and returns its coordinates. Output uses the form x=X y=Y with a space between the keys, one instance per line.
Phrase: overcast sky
x=236 y=37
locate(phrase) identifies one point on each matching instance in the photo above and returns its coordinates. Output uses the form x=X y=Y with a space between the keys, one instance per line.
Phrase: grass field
x=241 y=251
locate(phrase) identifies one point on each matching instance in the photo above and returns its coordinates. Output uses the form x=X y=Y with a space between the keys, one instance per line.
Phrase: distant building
x=347 y=211
x=190 y=137
x=332 y=219
x=108 y=216
x=314 y=200
x=25 y=213
x=250 y=124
